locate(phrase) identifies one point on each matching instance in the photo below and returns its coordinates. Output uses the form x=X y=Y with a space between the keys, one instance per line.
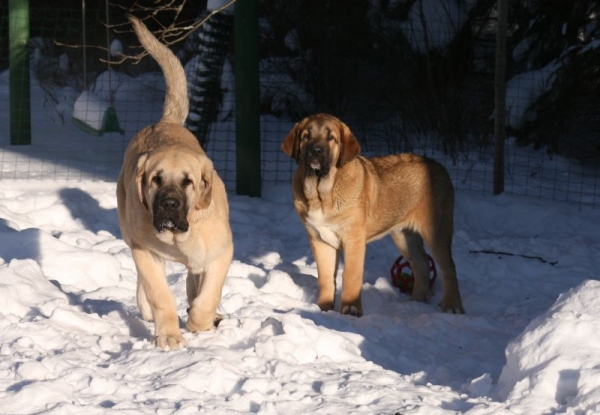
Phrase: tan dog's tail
x=176 y=106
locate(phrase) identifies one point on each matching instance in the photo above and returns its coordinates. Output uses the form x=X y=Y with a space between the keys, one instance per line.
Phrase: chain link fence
x=405 y=76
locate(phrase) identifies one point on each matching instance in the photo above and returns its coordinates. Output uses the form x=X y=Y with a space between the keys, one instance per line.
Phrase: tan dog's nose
x=315 y=151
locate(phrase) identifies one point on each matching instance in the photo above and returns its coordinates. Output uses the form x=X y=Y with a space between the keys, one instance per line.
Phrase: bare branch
x=168 y=35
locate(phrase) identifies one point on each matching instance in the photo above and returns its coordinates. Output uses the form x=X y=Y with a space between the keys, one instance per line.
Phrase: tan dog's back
x=422 y=184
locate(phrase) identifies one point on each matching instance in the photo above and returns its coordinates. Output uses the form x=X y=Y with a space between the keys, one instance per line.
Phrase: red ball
x=405 y=281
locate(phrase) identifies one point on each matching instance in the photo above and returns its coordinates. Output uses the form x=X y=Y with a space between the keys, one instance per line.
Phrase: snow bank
x=23 y=287
x=523 y=90
x=555 y=362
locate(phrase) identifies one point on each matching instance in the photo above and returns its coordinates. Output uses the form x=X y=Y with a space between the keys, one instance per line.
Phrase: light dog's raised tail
x=176 y=106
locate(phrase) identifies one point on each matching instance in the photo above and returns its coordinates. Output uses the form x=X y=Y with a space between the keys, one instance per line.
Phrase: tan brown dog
x=173 y=206
x=345 y=201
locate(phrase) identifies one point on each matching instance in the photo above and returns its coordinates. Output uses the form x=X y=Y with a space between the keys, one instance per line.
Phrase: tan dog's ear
x=349 y=147
x=140 y=173
x=205 y=191
x=290 y=142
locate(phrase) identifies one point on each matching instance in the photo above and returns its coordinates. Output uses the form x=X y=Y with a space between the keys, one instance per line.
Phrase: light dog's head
x=320 y=142
x=172 y=184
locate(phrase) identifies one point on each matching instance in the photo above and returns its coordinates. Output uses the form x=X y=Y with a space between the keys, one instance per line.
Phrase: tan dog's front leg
x=204 y=293
x=352 y=278
x=152 y=277
x=326 y=257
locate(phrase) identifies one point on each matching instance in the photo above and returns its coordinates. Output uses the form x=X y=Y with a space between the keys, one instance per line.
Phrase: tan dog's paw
x=325 y=305
x=422 y=295
x=352 y=310
x=171 y=342
x=452 y=306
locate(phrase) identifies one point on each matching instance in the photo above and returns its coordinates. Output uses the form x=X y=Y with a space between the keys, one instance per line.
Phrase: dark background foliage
x=355 y=59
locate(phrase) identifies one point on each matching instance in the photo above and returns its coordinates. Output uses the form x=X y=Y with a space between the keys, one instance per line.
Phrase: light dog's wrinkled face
x=172 y=184
x=320 y=142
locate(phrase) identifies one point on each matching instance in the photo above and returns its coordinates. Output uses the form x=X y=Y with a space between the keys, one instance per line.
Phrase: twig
x=167 y=35
x=491 y=252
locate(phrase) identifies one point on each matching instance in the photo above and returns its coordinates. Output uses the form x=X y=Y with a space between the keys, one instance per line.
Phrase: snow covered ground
x=73 y=342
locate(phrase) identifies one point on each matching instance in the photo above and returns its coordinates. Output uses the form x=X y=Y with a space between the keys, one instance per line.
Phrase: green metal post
x=247 y=116
x=18 y=35
x=500 y=96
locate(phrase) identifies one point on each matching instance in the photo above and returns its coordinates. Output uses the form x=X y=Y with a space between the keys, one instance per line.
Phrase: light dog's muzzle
x=170 y=210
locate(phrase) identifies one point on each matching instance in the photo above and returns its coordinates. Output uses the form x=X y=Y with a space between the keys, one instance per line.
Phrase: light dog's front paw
x=198 y=321
x=172 y=342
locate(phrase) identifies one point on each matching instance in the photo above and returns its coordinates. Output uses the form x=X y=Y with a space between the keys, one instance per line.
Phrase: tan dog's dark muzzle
x=317 y=160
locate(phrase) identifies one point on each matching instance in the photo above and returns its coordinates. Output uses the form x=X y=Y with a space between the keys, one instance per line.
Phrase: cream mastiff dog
x=173 y=206
x=345 y=200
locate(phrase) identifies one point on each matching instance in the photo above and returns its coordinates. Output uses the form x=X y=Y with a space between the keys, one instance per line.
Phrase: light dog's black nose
x=170 y=203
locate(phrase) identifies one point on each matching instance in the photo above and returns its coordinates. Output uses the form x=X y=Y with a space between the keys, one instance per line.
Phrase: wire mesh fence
x=405 y=76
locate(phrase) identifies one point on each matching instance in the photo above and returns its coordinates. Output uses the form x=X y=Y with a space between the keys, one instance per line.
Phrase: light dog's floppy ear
x=290 y=142
x=349 y=147
x=140 y=173
x=204 y=189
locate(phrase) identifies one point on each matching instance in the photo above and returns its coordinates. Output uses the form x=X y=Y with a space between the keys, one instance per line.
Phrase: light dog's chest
x=190 y=252
x=327 y=230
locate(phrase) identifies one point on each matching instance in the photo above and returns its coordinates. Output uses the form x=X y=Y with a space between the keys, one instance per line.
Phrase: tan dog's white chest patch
x=327 y=230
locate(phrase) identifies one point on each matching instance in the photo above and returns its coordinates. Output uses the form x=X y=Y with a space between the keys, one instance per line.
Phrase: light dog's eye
x=330 y=137
x=186 y=182
x=157 y=180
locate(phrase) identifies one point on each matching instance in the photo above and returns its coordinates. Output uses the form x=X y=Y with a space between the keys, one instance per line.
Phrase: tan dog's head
x=173 y=183
x=319 y=142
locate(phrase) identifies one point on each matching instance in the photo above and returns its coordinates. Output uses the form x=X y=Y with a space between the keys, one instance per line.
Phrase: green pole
x=18 y=35
x=247 y=116
x=500 y=97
